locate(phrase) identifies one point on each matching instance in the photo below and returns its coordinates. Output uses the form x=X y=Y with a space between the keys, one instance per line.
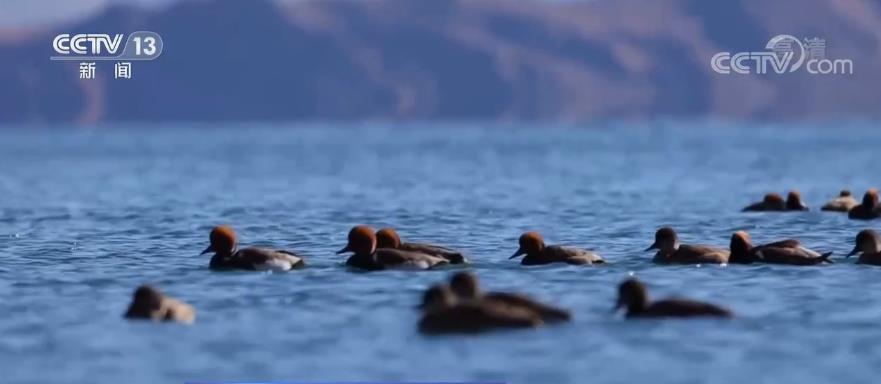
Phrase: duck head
x=145 y=300
x=438 y=296
x=387 y=238
x=362 y=241
x=793 y=201
x=740 y=246
x=844 y=193
x=867 y=241
x=870 y=199
x=665 y=240
x=464 y=284
x=632 y=295
x=223 y=240
x=531 y=243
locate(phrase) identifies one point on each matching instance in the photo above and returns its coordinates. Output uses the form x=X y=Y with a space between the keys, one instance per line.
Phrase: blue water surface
x=87 y=215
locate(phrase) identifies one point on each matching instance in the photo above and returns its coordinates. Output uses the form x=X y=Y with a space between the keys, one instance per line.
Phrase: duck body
x=475 y=318
x=679 y=308
x=451 y=255
x=149 y=304
x=387 y=258
x=692 y=254
x=257 y=259
x=843 y=203
x=547 y=313
x=633 y=296
x=788 y=252
x=561 y=254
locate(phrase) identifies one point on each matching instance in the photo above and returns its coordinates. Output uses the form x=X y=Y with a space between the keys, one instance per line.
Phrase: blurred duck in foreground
x=670 y=251
x=537 y=253
x=775 y=202
x=869 y=209
x=388 y=238
x=467 y=289
x=442 y=313
x=365 y=255
x=150 y=304
x=843 y=203
x=633 y=296
x=227 y=256
x=868 y=246
x=787 y=251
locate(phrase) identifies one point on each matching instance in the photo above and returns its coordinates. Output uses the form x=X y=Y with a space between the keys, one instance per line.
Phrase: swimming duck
x=793 y=202
x=670 y=251
x=362 y=243
x=868 y=246
x=633 y=296
x=442 y=314
x=787 y=251
x=149 y=304
x=843 y=203
x=537 y=253
x=465 y=286
x=869 y=209
x=388 y=238
x=771 y=202
x=226 y=256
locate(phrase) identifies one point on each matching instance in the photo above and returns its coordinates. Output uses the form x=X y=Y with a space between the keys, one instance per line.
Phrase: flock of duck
x=460 y=307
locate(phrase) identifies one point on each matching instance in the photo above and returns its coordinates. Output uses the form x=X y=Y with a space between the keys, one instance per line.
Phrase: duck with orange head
x=227 y=256
x=388 y=238
x=535 y=252
x=365 y=254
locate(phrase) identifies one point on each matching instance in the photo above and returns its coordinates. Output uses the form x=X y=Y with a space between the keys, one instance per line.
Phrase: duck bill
x=651 y=247
x=207 y=250
x=344 y=250
x=853 y=252
x=520 y=252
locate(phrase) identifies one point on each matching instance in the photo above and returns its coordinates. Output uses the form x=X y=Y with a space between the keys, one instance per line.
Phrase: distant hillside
x=443 y=59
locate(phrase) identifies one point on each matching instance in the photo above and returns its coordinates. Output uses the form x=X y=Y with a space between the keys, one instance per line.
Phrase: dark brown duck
x=150 y=304
x=228 y=257
x=670 y=251
x=388 y=238
x=532 y=245
x=869 y=209
x=868 y=246
x=442 y=314
x=788 y=251
x=467 y=288
x=365 y=254
x=633 y=296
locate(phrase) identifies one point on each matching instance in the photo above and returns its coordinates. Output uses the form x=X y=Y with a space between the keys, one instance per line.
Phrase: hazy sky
x=34 y=13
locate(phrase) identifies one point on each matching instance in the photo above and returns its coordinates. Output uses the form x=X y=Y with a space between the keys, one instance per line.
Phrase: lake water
x=87 y=215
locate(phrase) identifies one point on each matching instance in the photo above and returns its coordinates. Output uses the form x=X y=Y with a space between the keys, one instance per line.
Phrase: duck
x=789 y=251
x=532 y=245
x=670 y=251
x=793 y=202
x=150 y=304
x=388 y=238
x=442 y=314
x=771 y=202
x=228 y=257
x=366 y=256
x=633 y=296
x=466 y=287
x=868 y=246
x=843 y=203
x=869 y=209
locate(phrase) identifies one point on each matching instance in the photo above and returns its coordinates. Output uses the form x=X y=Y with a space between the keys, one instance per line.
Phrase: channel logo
x=140 y=45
